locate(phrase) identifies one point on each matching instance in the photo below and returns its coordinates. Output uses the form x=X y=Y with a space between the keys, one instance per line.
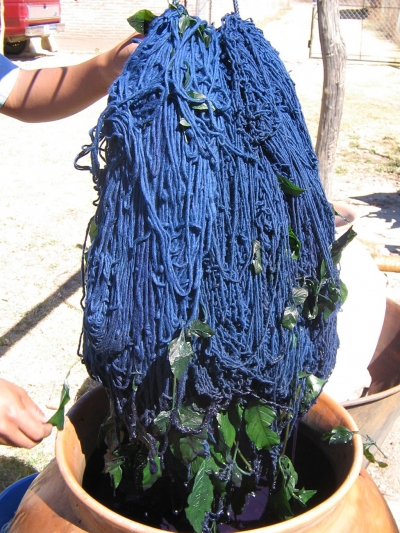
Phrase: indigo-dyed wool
x=188 y=160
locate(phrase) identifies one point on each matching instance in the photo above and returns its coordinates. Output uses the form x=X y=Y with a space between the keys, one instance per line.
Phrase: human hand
x=22 y=423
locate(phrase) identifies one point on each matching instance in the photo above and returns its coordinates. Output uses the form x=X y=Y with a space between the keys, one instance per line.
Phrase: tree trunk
x=334 y=61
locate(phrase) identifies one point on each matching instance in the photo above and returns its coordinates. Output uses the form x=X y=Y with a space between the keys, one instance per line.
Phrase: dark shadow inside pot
x=160 y=509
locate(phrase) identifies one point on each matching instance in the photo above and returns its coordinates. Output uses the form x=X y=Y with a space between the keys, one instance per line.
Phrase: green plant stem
x=174 y=393
x=243 y=458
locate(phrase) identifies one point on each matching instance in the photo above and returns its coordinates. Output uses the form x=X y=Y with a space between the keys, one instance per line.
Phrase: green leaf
x=288 y=187
x=58 y=418
x=339 y=435
x=310 y=312
x=189 y=418
x=235 y=413
x=340 y=244
x=257 y=259
x=295 y=244
x=198 y=328
x=369 y=455
x=313 y=389
x=161 y=422
x=303 y=495
x=185 y=21
x=196 y=95
x=204 y=36
x=190 y=447
x=93 y=230
x=286 y=480
x=180 y=355
x=140 y=21
x=300 y=294
x=195 y=466
x=114 y=469
x=288 y=473
x=184 y=123
x=236 y=476
x=258 y=421
x=334 y=292
x=148 y=478
x=200 y=498
x=290 y=317
x=323 y=270
x=343 y=292
x=227 y=429
x=201 y=107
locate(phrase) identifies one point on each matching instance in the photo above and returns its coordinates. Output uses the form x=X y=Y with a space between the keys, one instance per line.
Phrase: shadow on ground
x=388 y=203
x=39 y=312
x=12 y=470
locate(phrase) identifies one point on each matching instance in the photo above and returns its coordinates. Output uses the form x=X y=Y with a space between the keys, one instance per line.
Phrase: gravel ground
x=46 y=204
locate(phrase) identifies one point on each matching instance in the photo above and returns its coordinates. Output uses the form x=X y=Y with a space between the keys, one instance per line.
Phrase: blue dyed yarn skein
x=191 y=160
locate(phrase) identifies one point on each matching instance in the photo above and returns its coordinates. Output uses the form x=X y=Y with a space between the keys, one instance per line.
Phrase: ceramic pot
x=56 y=501
x=378 y=409
x=346 y=217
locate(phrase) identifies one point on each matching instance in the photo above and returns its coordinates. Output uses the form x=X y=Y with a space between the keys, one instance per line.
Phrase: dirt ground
x=45 y=205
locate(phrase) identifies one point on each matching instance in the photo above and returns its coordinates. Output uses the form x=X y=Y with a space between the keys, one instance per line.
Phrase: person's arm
x=22 y=423
x=53 y=93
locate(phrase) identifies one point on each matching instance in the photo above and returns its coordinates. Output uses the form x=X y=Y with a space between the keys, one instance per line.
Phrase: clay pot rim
x=297 y=522
x=371 y=398
x=340 y=224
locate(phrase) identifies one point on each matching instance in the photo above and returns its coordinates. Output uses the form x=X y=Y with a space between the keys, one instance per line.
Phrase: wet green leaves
x=141 y=20
x=58 y=418
x=313 y=389
x=340 y=244
x=180 y=349
x=258 y=419
x=257 y=257
x=287 y=491
x=288 y=187
x=290 y=317
x=218 y=465
x=295 y=244
x=180 y=355
x=319 y=296
x=343 y=435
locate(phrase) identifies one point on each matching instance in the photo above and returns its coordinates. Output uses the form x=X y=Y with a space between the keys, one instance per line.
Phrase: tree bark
x=334 y=61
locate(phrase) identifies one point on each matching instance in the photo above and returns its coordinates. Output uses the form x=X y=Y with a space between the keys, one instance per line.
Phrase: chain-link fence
x=213 y=10
x=370 y=29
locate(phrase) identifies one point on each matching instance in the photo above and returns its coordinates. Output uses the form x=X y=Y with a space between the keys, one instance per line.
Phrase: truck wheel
x=15 y=47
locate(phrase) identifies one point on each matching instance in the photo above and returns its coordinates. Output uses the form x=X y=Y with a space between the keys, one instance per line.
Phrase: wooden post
x=334 y=61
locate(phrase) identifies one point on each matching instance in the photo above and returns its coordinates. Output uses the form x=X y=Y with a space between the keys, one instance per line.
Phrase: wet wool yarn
x=210 y=208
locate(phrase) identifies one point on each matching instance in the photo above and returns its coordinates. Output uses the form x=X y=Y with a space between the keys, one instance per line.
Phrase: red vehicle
x=29 y=18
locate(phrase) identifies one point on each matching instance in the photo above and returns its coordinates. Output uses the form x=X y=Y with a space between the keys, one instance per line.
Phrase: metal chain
x=236 y=6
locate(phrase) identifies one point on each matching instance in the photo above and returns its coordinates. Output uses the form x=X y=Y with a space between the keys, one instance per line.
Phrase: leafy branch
x=343 y=435
x=286 y=481
x=322 y=295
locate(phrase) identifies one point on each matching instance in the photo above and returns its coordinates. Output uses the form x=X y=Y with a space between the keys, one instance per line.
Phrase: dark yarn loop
x=186 y=160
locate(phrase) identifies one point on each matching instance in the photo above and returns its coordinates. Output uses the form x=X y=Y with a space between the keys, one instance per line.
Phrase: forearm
x=54 y=93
